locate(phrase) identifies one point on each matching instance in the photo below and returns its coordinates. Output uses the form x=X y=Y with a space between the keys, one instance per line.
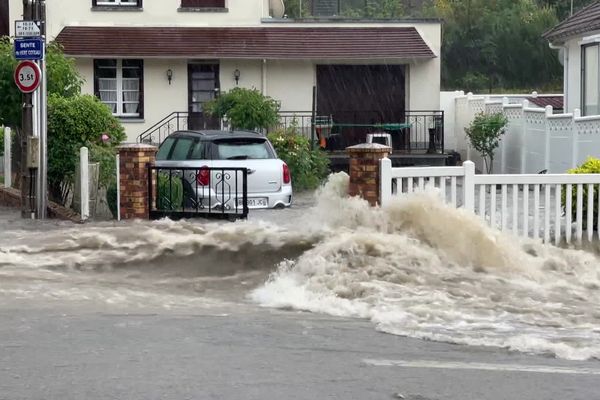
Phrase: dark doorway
x=4 y=18
x=360 y=95
x=203 y=86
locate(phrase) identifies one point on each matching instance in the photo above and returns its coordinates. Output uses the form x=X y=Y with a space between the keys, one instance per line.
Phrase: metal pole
x=118 y=159
x=42 y=183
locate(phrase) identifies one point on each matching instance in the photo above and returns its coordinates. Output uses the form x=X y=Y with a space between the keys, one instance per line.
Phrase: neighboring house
x=148 y=58
x=578 y=38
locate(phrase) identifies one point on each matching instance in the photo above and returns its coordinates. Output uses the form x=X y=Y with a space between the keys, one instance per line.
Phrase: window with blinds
x=117 y=3
x=119 y=84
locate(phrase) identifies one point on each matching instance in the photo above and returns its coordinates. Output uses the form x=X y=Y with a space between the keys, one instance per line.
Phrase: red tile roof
x=585 y=20
x=542 y=101
x=246 y=43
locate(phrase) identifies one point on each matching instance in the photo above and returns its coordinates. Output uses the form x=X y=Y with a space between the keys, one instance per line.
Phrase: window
x=590 y=84
x=202 y=3
x=242 y=149
x=120 y=85
x=117 y=3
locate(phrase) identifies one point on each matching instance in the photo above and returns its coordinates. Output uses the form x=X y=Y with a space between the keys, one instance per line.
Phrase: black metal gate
x=184 y=192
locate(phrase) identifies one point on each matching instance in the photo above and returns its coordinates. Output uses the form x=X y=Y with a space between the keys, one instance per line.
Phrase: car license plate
x=256 y=202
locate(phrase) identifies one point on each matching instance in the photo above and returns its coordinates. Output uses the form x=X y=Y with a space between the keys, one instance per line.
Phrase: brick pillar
x=134 y=160
x=364 y=170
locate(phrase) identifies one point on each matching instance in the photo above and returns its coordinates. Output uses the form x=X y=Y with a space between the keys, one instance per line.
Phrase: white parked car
x=269 y=179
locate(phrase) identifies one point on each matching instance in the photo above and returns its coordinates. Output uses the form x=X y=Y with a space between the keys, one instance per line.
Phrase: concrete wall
x=61 y=13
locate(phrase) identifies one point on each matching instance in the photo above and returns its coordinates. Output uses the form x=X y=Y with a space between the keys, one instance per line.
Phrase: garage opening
x=355 y=95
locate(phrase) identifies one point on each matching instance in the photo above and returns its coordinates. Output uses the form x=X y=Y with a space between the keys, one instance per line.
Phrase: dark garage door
x=360 y=94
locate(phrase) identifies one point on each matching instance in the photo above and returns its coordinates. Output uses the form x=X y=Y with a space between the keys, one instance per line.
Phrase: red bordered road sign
x=28 y=76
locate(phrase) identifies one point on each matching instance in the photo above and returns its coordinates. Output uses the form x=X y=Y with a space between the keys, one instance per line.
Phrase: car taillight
x=287 y=178
x=203 y=176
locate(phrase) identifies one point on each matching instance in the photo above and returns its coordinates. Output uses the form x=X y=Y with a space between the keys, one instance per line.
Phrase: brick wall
x=364 y=170
x=133 y=164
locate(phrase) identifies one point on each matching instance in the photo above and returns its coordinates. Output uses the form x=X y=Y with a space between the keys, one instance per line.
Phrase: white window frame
x=120 y=101
x=117 y=3
x=584 y=83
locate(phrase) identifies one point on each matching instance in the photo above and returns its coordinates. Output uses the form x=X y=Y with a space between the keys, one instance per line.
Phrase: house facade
x=148 y=58
x=578 y=40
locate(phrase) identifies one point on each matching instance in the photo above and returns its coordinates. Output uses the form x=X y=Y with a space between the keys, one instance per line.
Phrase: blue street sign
x=29 y=49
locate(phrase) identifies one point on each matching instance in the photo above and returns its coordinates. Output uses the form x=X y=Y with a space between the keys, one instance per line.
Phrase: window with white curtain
x=119 y=84
x=591 y=82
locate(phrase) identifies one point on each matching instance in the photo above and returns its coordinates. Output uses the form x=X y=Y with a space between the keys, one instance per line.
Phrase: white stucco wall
x=61 y=13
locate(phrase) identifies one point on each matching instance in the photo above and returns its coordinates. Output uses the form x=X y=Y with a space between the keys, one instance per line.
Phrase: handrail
x=160 y=124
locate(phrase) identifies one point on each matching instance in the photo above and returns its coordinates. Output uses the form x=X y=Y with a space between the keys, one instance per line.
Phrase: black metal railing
x=420 y=131
x=158 y=132
x=184 y=192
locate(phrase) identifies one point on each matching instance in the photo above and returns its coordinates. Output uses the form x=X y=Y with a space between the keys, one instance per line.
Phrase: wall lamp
x=169 y=75
x=236 y=76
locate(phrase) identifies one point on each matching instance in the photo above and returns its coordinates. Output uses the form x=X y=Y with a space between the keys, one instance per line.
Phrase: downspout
x=565 y=74
x=264 y=77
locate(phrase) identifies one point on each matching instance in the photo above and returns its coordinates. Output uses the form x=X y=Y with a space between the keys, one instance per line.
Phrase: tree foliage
x=63 y=80
x=484 y=135
x=75 y=122
x=245 y=109
x=309 y=166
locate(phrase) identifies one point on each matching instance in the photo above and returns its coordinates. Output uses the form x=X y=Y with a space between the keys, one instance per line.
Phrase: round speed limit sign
x=27 y=76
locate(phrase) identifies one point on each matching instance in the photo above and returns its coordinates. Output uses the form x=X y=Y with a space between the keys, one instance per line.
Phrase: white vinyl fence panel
x=528 y=205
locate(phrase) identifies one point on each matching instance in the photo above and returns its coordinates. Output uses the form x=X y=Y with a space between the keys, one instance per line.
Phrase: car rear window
x=181 y=149
x=241 y=149
x=165 y=149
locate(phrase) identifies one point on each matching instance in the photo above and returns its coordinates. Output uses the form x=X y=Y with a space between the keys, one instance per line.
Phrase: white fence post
x=575 y=138
x=549 y=113
x=85 y=183
x=118 y=160
x=7 y=158
x=523 y=140
x=385 y=181
x=469 y=186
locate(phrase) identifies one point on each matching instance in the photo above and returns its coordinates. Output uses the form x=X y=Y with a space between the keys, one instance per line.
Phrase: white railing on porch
x=528 y=205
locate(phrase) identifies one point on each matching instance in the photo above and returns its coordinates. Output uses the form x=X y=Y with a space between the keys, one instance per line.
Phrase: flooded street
x=328 y=299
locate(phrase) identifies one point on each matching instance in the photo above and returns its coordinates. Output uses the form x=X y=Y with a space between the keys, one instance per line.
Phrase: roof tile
x=246 y=43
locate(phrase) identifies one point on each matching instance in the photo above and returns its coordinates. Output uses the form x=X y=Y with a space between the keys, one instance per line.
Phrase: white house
x=578 y=39
x=149 y=58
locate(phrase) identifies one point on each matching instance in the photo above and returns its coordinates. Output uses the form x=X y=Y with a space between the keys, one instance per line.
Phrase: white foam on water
x=421 y=269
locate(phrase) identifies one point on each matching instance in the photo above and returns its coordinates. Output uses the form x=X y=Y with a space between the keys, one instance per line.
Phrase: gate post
x=133 y=179
x=365 y=160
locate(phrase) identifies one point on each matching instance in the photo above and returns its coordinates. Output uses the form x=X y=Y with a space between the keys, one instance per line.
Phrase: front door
x=203 y=86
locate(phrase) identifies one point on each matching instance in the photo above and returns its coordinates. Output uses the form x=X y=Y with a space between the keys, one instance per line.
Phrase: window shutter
x=96 y=85
x=203 y=3
x=141 y=107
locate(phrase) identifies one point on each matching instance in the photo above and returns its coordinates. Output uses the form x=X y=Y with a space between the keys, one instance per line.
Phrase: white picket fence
x=527 y=205
x=536 y=139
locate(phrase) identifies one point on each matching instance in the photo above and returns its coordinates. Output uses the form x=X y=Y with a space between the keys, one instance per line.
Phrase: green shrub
x=169 y=193
x=484 y=135
x=590 y=166
x=309 y=167
x=75 y=122
x=245 y=109
x=1 y=141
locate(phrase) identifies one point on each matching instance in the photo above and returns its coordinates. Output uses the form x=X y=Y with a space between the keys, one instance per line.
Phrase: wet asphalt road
x=236 y=350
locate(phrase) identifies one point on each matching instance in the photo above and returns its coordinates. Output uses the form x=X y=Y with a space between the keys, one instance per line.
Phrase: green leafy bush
x=309 y=167
x=75 y=122
x=245 y=109
x=63 y=79
x=484 y=135
x=169 y=193
x=590 y=166
x=1 y=141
